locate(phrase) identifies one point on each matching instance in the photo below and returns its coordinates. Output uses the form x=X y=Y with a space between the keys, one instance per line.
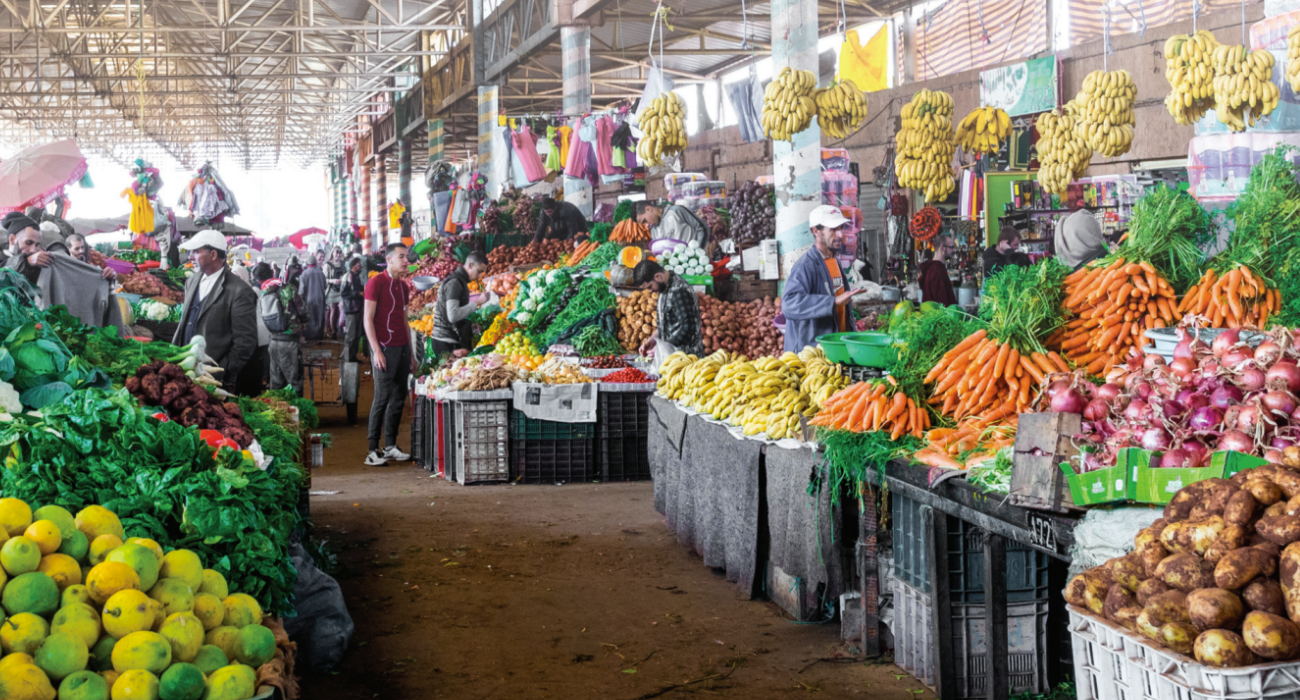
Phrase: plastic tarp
x=1106 y=534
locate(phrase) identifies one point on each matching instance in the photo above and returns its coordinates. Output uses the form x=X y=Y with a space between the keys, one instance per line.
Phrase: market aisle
x=546 y=592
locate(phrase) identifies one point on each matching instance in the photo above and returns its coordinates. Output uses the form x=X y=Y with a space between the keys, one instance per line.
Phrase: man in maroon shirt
x=390 y=343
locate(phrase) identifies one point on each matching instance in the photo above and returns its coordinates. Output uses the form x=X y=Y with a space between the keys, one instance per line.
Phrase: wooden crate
x=743 y=289
x=1043 y=441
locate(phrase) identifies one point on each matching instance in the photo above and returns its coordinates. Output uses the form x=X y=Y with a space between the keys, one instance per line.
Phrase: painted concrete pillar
x=363 y=214
x=381 y=203
x=797 y=165
x=488 y=108
x=350 y=203
x=435 y=140
x=575 y=56
x=404 y=180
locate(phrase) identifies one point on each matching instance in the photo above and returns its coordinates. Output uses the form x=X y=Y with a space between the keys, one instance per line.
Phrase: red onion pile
x=1223 y=395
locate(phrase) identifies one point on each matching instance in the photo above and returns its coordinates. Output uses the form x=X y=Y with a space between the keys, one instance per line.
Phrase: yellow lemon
x=77 y=619
x=175 y=595
x=19 y=555
x=75 y=593
x=25 y=682
x=144 y=650
x=46 y=535
x=20 y=658
x=140 y=558
x=233 y=682
x=209 y=610
x=255 y=645
x=23 y=633
x=62 y=568
x=148 y=544
x=242 y=610
x=110 y=577
x=185 y=633
x=214 y=584
x=184 y=565
x=136 y=684
x=101 y=546
x=94 y=521
x=59 y=516
x=159 y=614
x=223 y=638
x=127 y=611
x=15 y=515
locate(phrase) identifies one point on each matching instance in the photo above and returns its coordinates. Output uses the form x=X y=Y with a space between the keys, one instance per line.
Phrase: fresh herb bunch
x=1022 y=305
x=622 y=211
x=600 y=232
x=921 y=339
x=593 y=297
x=1265 y=218
x=593 y=341
x=1169 y=229
x=848 y=456
x=992 y=475
x=308 y=416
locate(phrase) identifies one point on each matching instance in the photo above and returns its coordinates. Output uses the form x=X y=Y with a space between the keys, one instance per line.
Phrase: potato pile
x=744 y=328
x=1217 y=577
x=637 y=316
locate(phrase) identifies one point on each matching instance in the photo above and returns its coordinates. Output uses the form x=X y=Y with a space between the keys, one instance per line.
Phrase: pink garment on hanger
x=525 y=143
x=604 y=147
x=576 y=166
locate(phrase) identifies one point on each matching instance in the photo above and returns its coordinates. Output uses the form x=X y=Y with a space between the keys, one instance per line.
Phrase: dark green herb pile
x=600 y=232
x=623 y=210
x=594 y=341
x=849 y=456
x=923 y=338
x=1169 y=229
x=1022 y=305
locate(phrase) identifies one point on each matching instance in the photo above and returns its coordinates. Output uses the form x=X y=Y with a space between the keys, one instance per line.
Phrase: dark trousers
x=286 y=364
x=351 y=336
x=442 y=347
x=252 y=378
x=390 y=394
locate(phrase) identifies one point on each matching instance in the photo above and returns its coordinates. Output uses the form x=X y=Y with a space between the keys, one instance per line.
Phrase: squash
x=630 y=256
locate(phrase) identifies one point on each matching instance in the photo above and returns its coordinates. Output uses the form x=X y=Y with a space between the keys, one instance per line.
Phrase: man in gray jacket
x=451 y=328
x=672 y=221
x=218 y=306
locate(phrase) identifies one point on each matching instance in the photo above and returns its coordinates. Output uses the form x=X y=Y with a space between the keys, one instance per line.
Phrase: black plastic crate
x=524 y=428
x=620 y=413
x=859 y=374
x=420 y=447
x=624 y=458
x=551 y=461
x=1027 y=569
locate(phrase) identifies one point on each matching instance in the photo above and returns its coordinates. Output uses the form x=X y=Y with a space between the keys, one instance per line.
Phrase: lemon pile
x=515 y=344
x=1191 y=75
x=98 y=615
x=925 y=145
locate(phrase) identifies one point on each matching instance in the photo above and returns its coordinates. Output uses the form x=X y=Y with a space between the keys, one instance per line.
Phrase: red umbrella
x=297 y=239
x=37 y=175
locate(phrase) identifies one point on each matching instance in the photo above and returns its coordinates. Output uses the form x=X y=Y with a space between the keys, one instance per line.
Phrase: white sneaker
x=375 y=458
x=396 y=455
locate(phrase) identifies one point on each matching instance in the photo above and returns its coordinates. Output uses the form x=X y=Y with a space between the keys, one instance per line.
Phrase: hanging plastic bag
x=742 y=95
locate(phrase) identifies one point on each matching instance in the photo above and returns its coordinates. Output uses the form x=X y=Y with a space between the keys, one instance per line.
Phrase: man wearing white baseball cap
x=814 y=301
x=218 y=306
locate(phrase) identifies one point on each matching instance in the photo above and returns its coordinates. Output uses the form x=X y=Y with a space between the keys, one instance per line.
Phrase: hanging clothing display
x=604 y=147
x=553 y=162
x=525 y=143
x=141 y=220
x=564 y=133
x=576 y=164
x=207 y=198
x=395 y=215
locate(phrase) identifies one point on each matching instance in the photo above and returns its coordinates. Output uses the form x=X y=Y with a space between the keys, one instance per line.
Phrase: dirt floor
x=575 y=591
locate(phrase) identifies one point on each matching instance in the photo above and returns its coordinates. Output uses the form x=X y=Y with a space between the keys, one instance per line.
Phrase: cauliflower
x=524 y=316
x=537 y=294
x=155 y=311
x=529 y=305
x=9 y=399
x=551 y=276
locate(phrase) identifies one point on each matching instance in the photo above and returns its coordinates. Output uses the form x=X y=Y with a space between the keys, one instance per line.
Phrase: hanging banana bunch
x=1107 y=119
x=1293 y=57
x=1243 y=80
x=983 y=130
x=925 y=145
x=1063 y=154
x=788 y=106
x=1190 y=73
x=664 y=126
x=841 y=108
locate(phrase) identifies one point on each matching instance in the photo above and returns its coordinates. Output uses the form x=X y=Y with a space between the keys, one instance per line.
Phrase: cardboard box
x=1156 y=485
x=1233 y=461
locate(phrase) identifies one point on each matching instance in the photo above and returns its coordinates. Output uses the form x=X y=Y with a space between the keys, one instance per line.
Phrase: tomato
x=217 y=441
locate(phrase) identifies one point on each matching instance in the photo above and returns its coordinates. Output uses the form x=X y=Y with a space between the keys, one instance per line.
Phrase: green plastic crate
x=524 y=428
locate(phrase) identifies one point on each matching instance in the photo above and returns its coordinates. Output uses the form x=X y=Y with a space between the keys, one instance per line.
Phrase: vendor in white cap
x=815 y=301
x=219 y=307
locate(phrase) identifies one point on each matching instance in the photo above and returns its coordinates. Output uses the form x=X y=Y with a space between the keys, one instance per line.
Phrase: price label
x=1041 y=533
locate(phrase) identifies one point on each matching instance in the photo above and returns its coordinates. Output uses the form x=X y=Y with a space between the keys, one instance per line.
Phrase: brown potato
x=1281 y=530
x=1151 y=554
x=1195 y=536
x=1180 y=506
x=1170 y=606
x=1149 y=589
x=1214 y=608
x=1144 y=625
x=1265 y=492
x=1223 y=649
x=1127 y=617
x=1288 y=568
x=1117 y=597
x=1269 y=547
x=1185 y=572
x=1094 y=595
x=1264 y=595
x=1291 y=456
x=1179 y=636
x=1145 y=537
x=1218 y=494
x=1293 y=505
x=1271 y=636
x=1073 y=592
x=1240 y=508
x=1288 y=481
x=1240 y=567
x=1275 y=510
x=1127 y=570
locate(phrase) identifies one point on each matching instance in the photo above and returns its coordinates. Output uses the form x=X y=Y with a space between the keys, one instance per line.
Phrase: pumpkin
x=630 y=256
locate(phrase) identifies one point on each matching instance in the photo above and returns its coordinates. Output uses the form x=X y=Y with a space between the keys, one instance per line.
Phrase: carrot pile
x=1238 y=299
x=582 y=251
x=1113 y=306
x=975 y=437
x=629 y=231
x=981 y=376
x=871 y=406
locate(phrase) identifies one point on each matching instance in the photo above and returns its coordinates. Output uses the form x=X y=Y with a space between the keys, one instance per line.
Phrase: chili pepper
x=628 y=375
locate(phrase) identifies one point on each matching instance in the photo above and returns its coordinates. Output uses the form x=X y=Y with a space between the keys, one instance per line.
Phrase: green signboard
x=1022 y=88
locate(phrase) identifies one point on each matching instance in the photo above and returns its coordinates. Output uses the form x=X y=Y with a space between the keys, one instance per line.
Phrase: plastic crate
x=1027 y=569
x=524 y=428
x=482 y=441
x=420 y=448
x=625 y=458
x=622 y=413
x=1111 y=663
x=551 y=461
x=1026 y=643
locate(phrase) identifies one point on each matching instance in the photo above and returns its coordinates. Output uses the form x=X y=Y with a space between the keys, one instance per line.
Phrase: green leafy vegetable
x=923 y=338
x=1022 y=305
x=849 y=455
x=623 y=210
x=600 y=232
x=594 y=341
x=1169 y=229
x=994 y=474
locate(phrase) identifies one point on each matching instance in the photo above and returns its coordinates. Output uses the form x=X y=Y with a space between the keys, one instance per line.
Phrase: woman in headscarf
x=1079 y=240
x=312 y=287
